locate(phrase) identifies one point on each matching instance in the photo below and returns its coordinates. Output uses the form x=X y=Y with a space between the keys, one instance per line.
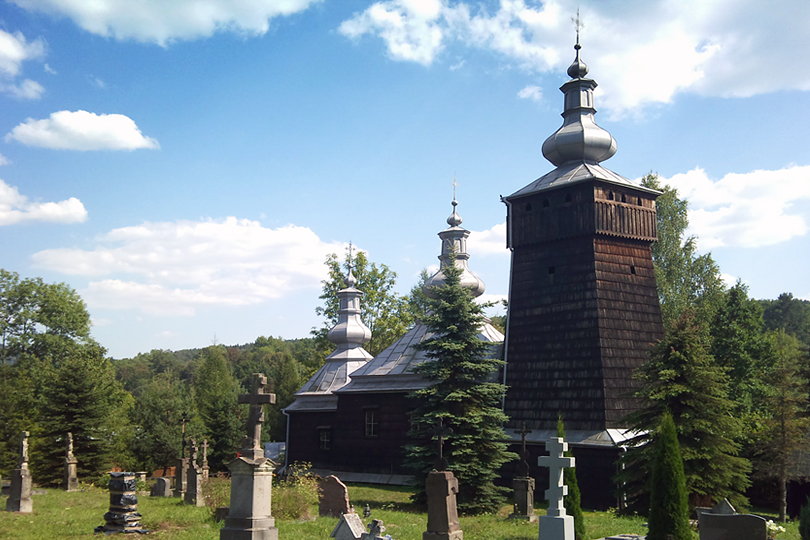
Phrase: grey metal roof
x=573 y=172
x=392 y=369
x=608 y=437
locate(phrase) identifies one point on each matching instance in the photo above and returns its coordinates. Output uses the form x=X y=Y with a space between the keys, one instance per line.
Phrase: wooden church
x=583 y=314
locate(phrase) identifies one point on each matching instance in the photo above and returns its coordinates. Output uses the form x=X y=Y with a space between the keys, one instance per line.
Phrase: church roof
x=392 y=369
x=349 y=335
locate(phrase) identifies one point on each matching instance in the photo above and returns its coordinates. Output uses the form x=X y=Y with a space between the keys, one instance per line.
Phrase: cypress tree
x=572 y=501
x=669 y=508
x=463 y=396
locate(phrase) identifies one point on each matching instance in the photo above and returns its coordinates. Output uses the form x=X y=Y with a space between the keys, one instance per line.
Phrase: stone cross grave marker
x=71 y=464
x=252 y=445
x=19 y=496
x=441 y=488
x=194 y=490
x=205 y=458
x=556 y=525
x=524 y=464
x=250 y=513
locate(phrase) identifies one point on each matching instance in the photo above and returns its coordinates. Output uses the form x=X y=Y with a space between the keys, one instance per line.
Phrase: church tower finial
x=579 y=138
x=350 y=331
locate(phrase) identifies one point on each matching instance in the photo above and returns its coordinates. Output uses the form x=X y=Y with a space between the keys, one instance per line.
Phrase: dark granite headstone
x=162 y=487
x=731 y=527
x=441 y=488
x=333 y=497
x=524 y=499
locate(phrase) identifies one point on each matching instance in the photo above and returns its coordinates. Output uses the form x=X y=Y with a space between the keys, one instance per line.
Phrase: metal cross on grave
x=440 y=431
x=556 y=462
x=524 y=463
x=252 y=446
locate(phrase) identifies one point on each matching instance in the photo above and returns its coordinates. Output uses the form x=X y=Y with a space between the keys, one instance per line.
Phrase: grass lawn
x=58 y=514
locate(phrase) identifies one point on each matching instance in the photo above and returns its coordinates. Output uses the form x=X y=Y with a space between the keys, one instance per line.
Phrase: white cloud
x=4 y=160
x=753 y=209
x=410 y=28
x=161 y=21
x=534 y=93
x=49 y=69
x=82 y=130
x=17 y=208
x=16 y=49
x=489 y=242
x=642 y=54
x=174 y=268
x=25 y=89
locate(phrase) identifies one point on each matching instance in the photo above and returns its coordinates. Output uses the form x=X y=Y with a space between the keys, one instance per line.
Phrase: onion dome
x=454 y=247
x=350 y=331
x=579 y=138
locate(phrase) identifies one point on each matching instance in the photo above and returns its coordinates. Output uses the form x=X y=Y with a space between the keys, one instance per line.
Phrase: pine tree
x=572 y=501
x=81 y=395
x=669 y=509
x=681 y=377
x=463 y=396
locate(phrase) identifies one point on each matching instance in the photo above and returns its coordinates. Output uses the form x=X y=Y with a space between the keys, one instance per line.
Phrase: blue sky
x=188 y=168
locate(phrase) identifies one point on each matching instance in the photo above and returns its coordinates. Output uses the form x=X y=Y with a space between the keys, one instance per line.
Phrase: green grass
x=58 y=514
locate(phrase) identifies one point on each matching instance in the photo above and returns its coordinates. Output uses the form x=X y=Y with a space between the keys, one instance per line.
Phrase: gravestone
x=523 y=486
x=19 y=495
x=249 y=515
x=194 y=480
x=162 y=487
x=333 y=497
x=205 y=459
x=731 y=527
x=181 y=477
x=441 y=488
x=375 y=530
x=71 y=465
x=350 y=527
x=123 y=516
x=556 y=524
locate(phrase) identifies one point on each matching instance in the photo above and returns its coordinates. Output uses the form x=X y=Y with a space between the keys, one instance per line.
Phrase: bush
x=669 y=510
x=295 y=495
x=804 y=520
x=217 y=492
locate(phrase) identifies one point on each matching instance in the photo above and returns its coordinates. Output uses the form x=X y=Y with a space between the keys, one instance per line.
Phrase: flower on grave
x=773 y=529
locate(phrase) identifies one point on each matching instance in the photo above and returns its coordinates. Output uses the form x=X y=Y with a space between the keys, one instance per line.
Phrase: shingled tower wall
x=583 y=305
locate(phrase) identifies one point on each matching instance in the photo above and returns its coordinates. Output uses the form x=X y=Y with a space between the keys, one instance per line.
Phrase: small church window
x=633 y=269
x=528 y=207
x=624 y=197
x=551 y=270
x=610 y=196
x=545 y=203
x=371 y=423
x=567 y=197
x=324 y=438
x=639 y=201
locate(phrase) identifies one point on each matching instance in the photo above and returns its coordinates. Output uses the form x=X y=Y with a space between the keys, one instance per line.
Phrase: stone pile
x=123 y=516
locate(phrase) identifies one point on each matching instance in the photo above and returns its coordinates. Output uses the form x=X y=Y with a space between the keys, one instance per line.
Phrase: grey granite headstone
x=441 y=488
x=350 y=527
x=162 y=487
x=19 y=495
x=731 y=527
x=523 y=488
x=333 y=497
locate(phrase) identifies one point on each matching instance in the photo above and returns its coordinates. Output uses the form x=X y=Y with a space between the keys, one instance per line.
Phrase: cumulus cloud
x=82 y=130
x=15 y=49
x=753 y=209
x=161 y=22
x=410 y=28
x=534 y=93
x=17 y=208
x=489 y=242
x=174 y=268
x=4 y=160
x=641 y=53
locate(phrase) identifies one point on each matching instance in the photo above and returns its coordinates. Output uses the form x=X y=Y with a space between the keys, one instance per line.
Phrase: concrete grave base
x=455 y=535
x=249 y=516
x=556 y=528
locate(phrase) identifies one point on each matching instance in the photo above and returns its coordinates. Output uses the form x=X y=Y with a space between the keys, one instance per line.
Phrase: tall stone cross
x=440 y=431
x=69 y=447
x=252 y=445
x=23 y=462
x=524 y=463
x=205 y=453
x=556 y=462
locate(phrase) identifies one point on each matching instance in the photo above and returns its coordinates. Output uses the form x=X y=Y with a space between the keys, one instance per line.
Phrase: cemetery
x=593 y=410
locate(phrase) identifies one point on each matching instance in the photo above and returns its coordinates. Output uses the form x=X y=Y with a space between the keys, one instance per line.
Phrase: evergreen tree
x=463 y=397
x=572 y=501
x=784 y=428
x=669 y=509
x=789 y=314
x=216 y=394
x=682 y=378
x=81 y=395
x=386 y=313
